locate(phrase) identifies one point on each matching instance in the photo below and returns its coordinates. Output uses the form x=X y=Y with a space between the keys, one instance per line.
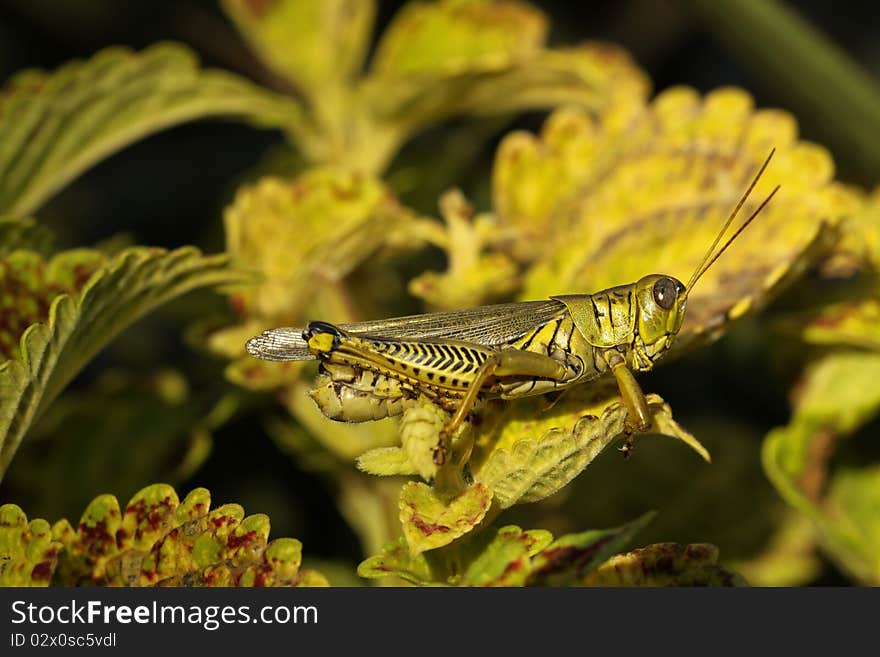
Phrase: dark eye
x=665 y=291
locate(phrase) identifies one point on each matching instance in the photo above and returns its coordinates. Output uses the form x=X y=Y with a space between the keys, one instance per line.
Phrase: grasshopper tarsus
x=628 y=447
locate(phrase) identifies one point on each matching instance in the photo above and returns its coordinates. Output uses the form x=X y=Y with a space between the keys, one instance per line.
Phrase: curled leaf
x=837 y=395
x=430 y=522
x=158 y=540
x=80 y=324
x=665 y=564
x=28 y=554
x=397 y=559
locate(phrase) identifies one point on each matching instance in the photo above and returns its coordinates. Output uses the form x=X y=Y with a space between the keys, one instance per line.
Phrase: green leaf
x=569 y=558
x=430 y=522
x=506 y=560
x=396 y=559
x=54 y=126
x=313 y=43
x=158 y=540
x=838 y=394
x=23 y=234
x=665 y=564
x=80 y=324
x=28 y=555
x=532 y=454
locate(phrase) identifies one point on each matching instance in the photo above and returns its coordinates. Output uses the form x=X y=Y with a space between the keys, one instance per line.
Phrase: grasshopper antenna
x=709 y=259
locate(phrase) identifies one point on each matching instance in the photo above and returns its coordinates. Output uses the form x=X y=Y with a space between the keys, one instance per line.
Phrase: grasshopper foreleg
x=638 y=415
x=507 y=362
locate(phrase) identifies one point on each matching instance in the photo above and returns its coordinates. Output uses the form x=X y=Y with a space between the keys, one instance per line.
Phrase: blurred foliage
x=381 y=113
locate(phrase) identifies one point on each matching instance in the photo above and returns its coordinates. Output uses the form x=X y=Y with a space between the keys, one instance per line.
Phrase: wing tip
x=274 y=344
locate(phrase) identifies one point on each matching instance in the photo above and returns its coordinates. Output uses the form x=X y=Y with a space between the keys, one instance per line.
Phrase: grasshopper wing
x=489 y=326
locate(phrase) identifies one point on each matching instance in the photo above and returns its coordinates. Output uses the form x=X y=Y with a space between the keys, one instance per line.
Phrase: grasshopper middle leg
x=638 y=415
x=507 y=362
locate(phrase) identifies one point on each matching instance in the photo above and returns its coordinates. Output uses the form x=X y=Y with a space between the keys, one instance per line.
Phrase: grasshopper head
x=661 y=304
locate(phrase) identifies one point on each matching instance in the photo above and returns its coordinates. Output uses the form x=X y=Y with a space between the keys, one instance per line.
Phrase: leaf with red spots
x=506 y=560
x=28 y=553
x=54 y=126
x=665 y=564
x=569 y=558
x=158 y=540
x=74 y=308
x=430 y=521
x=23 y=234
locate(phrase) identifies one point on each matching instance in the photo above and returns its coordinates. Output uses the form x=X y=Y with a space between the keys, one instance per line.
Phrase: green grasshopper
x=371 y=370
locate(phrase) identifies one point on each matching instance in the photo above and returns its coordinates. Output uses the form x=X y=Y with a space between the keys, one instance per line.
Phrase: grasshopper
x=370 y=370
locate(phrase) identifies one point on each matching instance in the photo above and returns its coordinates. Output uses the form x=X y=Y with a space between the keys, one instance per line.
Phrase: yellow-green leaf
x=526 y=453
x=386 y=461
x=649 y=193
x=313 y=43
x=304 y=233
x=450 y=36
x=476 y=273
x=28 y=554
x=54 y=126
x=159 y=540
x=665 y=564
x=430 y=522
x=837 y=395
x=80 y=324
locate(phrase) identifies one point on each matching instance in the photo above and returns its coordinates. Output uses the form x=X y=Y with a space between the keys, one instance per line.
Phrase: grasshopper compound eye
x=665 y=292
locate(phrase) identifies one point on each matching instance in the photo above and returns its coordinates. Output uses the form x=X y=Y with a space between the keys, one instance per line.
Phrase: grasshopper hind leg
x=507 y=362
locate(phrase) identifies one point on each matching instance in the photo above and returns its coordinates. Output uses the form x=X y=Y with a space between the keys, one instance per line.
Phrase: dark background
x=169 y=190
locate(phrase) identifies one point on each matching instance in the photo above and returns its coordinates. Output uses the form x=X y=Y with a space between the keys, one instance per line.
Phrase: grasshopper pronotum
x=370 y=369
